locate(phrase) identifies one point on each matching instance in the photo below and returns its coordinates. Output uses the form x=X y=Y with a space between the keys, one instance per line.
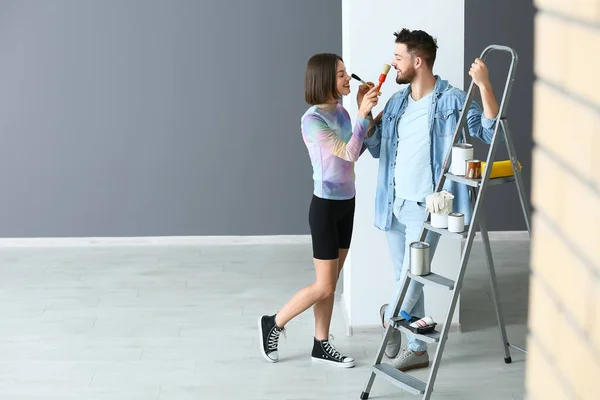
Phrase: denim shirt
x=444 y=113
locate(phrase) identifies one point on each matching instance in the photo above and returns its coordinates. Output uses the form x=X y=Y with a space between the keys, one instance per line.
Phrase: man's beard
x=406 y=78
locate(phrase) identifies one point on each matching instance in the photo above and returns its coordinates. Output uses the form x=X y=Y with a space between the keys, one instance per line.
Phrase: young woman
x=333 y=147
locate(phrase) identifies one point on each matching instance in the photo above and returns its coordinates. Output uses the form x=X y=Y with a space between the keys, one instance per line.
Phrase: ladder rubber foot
x=508 y=360
x=364 y=396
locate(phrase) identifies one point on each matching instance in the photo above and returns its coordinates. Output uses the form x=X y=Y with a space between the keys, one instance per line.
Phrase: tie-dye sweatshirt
x=333 y=148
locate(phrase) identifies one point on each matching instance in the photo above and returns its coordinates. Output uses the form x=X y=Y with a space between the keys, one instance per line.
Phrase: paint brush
x=384 y=72
x=354 y=76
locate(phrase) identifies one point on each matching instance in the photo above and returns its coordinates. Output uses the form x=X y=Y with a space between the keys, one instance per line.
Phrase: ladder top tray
x=477 y=182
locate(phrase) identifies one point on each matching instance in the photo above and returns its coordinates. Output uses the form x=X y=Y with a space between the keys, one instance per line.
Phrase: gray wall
x=157 y=117
x=510 y=23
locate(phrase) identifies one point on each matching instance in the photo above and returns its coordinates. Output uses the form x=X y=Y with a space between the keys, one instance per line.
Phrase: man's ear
x=418 y=62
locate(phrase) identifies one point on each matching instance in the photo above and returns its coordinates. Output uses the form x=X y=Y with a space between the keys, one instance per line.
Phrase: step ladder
x=477 y=189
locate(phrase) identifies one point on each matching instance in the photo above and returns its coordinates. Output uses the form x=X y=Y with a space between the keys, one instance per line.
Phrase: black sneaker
x=323 y=351
x=269 y=337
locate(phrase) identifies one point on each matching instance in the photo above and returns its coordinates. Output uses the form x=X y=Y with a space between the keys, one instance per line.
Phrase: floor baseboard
x=344 y=309
x=506 y=235
x=155 y=241
x=194 y=240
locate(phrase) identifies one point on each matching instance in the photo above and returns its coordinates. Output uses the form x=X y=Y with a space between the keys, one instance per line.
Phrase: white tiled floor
x=179 y=323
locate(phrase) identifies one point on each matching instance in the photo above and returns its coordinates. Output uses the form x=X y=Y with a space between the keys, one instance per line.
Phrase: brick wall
x=564 y=344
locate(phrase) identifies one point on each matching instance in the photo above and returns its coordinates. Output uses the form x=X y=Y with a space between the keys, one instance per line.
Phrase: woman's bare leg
x=323 y=288
x=323 y=309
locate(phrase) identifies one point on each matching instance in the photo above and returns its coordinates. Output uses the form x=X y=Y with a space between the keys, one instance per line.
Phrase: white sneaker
x=393 y=345
x=408 y=360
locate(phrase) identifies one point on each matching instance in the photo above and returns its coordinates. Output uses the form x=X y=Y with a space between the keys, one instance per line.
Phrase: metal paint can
x=420 y=261
x=473 y=169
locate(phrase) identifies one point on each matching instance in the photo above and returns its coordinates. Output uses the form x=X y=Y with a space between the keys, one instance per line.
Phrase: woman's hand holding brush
x=362 y=90
x=369 y=101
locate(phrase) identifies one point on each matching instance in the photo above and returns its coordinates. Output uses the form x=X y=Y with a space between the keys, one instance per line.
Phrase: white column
x=368 y=43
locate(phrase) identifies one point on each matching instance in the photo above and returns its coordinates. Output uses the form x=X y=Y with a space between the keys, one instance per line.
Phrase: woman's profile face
x=342 y=79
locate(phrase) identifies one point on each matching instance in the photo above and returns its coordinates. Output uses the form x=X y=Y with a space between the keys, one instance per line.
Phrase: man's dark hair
x=320 y=80
x=419 y=44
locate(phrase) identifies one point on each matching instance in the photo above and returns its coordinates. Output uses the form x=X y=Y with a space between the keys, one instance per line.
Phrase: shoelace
x=332 y=351
x=274 y=338
x=406 y=353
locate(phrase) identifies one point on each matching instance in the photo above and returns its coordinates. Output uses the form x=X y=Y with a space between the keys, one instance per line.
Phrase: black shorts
x=331 y=223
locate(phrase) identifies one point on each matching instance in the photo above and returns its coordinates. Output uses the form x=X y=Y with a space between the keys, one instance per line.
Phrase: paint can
x=456 y=222
x=461 y=152
x=473 y=168
x=420 y=262
x=439 y=220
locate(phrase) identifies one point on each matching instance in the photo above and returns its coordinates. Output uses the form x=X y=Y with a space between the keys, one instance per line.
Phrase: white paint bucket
x=456 y=222
x=461 y=152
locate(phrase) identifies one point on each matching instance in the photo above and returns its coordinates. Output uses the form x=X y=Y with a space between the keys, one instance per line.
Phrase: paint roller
x=500 y=169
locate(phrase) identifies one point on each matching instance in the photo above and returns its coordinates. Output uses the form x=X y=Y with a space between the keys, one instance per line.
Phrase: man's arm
x=481 y=78
x=490 y=106
x=369 y=118
x=373 y=138
x=481 y=124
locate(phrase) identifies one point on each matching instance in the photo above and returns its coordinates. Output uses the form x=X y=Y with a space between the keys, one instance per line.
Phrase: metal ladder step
x=433 y=278
x=477 y=182
x=400 y=379
x=446 y=232
x=401 y=324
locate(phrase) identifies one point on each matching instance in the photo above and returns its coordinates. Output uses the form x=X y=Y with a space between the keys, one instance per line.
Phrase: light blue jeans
x=407 y=223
